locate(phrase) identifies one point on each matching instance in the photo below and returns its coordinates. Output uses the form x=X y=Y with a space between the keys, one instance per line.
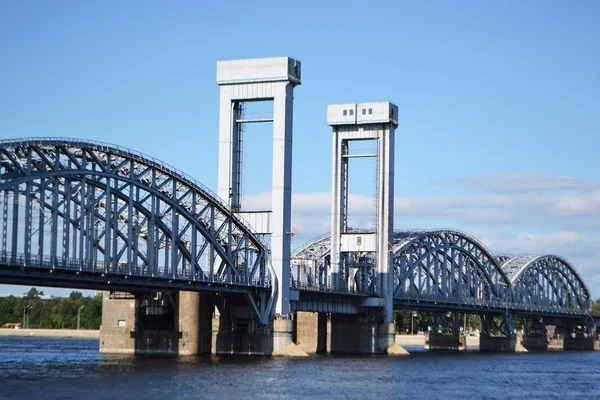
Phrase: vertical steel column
x=174 y=232
x=108 y=215
x=28 y=219
x=137 y=232
x=211 y=247
x=28 y=211
x=194 y=244
x=66 y=220
x=15 y=223
x=115 y=228
x=54 y=224
x=151 y=244
x=83 y=207
x=4 y=222
x=41 y=222
x=130 y=222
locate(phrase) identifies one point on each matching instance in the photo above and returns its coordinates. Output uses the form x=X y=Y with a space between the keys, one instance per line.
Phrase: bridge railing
x=123 y=269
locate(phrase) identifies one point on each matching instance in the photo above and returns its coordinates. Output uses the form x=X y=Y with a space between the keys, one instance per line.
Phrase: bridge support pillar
x=275 y=339
x=446 y=334
x=119 y=315
x=171 y=323
x=581 y=343
x=498 y=333
x=507 y=343
x=443 y=341
x=580 y=336
x=535 y=336
x=535 y=342
x=195 y=323
x=355 y=334
x=311 y=331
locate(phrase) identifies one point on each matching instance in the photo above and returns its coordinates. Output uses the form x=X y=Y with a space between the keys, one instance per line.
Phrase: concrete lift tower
x=261 y=79
x=356 y=122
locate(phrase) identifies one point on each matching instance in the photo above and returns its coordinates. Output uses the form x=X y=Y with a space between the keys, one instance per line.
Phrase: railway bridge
x=187 y=271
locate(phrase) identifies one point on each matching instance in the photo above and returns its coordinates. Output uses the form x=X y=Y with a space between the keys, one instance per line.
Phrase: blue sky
x=499 y=101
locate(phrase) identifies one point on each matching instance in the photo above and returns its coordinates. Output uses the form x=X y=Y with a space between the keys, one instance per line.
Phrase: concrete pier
x=350 y=334
x=440 y=341
x=535 y=342
x=498 y=343
x=581 y=342
x=118 y=321
x=311 y=332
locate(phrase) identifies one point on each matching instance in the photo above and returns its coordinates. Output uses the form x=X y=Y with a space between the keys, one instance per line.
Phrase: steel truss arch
x=547 y=281
x=92 y=207
x=311 y=261
x=447 y=265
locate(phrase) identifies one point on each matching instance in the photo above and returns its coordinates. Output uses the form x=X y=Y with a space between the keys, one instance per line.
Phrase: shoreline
x=51 y=333
x=419 y=341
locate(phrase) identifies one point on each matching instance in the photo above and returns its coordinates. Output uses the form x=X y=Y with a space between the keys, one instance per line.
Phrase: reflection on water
x=32 y=368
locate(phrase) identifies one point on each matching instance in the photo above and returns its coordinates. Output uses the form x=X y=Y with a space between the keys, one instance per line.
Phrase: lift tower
x=356 y=122
x=261 y=79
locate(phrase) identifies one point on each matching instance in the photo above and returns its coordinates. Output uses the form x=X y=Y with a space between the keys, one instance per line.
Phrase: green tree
x=596 y=307
x=54 y=313
x=34 y=294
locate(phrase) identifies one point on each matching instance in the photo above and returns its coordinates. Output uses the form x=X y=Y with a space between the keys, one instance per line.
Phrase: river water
x=37 y=368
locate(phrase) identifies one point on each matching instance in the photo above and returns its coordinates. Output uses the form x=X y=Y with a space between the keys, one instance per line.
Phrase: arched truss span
x=547 y=281
x=96 y=208
x=501 y=258
x=310 y=262
x=448 y=265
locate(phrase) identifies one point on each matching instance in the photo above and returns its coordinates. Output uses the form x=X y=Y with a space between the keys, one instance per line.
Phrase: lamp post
x=26 y=312
x=412 y=322
x=79 y=316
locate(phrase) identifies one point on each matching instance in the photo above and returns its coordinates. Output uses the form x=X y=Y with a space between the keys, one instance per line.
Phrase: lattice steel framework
x=90 y=214
x=547 y=281
x=451 y=269
x=447 y=265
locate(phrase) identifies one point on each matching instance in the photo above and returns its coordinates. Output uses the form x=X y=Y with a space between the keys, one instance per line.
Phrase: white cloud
x=523 y=183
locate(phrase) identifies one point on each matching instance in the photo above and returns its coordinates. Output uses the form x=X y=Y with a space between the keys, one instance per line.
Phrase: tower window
x=370 y=111
x=351 y=112
x=364 y=111
x=345 y=112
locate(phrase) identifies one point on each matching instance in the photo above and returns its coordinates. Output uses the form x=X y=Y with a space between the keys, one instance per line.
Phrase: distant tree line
x=596 y=307
x=56 y=313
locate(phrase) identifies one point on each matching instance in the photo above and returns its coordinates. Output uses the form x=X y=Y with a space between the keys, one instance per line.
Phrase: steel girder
x=95 y=208
x=547 y=280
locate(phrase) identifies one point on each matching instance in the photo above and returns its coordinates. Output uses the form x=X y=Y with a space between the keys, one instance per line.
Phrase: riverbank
x=51 y=333
x=419 y=341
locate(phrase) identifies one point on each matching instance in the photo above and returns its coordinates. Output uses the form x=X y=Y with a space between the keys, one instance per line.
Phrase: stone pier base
x=438 y=341
x=118 y=321
x=347 y=334
x=498 y=343
x=311 y=332
x=275 y=339
x=581 y=343
x=535 y=342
